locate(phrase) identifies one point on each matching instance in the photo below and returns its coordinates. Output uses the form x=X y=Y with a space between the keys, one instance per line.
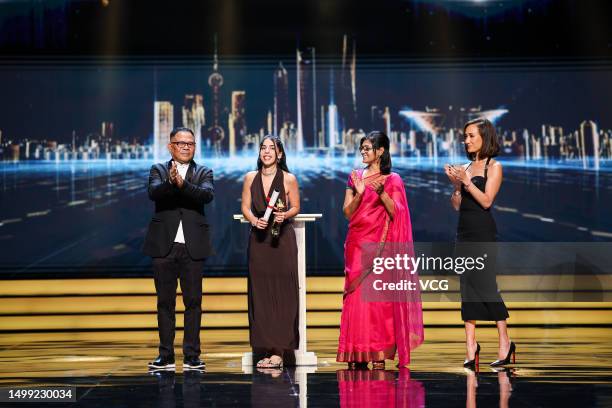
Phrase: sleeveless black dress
x=273 y=278
x=480 y=298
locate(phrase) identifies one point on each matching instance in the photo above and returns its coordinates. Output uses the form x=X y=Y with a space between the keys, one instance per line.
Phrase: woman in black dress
x=476 y=185
x=273 y=268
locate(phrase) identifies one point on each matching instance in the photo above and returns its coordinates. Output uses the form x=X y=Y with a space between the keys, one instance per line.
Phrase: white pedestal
x=302 y=356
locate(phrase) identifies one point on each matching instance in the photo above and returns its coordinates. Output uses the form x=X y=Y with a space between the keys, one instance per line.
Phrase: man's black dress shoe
x=193 y=363
x=162 y=363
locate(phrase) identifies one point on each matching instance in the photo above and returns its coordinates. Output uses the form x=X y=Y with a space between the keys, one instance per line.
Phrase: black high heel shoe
x=474 y=362
x=511 y=353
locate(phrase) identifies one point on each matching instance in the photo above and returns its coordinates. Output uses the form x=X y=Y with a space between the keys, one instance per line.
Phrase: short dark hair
x=490 y=144
x=181 y=129
x=379 y=139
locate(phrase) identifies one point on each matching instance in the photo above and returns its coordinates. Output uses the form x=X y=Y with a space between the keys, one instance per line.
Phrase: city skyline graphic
x=319 y=109
x=77 y=141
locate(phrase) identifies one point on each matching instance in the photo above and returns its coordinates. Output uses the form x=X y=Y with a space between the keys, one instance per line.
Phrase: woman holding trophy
x=270 y=198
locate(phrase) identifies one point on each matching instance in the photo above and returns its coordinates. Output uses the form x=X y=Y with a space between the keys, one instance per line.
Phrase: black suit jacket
x=173 y=204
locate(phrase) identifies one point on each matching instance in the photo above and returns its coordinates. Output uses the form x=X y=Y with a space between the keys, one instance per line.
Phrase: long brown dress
x=273 y=278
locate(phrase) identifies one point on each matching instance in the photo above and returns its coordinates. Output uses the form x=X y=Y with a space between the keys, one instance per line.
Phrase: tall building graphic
x=321 y=140
x=606 y=144
x=527 y=144
x=281 y=99
x=347 y=85
x=332 y=123
x=288 y=135
x=333 y=128
x=194 y=119
x=589 y=143
x=299 y=80
x=307 y=125
x=215 y=81
x=14 y=149
x=353 y=70
x=551 y=136
x=387 y=119
x=163 y=123
x=269 y=123
x=237 y=121
x=412 y=141
x=106 y=136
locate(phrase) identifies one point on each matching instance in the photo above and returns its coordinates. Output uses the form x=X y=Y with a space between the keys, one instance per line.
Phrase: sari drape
x=376 y=330
x=379 y=388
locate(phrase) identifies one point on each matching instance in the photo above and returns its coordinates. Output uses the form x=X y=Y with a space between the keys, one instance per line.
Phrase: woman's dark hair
x=282 y=163
x=490 y=144
x=379 y=139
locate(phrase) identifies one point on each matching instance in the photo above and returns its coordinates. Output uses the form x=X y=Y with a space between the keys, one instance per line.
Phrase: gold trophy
x=276 y=226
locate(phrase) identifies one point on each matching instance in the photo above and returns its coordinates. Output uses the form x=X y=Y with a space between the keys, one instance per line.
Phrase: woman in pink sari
x=377 y=209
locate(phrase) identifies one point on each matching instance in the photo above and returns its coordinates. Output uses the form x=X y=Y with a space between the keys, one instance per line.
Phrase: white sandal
x=278 y=364
x=263 y=363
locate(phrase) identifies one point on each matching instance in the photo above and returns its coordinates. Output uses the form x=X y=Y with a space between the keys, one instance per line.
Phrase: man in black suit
x=178 y=240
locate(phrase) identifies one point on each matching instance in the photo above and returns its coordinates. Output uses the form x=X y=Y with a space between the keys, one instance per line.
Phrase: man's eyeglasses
x=182 y=145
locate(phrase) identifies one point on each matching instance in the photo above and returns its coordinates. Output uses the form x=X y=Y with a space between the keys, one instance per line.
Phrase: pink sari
x=379 y=388
x=375 y=330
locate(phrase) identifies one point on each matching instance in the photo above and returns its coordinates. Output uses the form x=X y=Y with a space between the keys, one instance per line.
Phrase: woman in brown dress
x=273 y=268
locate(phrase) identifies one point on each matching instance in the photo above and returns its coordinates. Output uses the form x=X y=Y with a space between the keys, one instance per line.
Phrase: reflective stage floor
x=555 y=367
